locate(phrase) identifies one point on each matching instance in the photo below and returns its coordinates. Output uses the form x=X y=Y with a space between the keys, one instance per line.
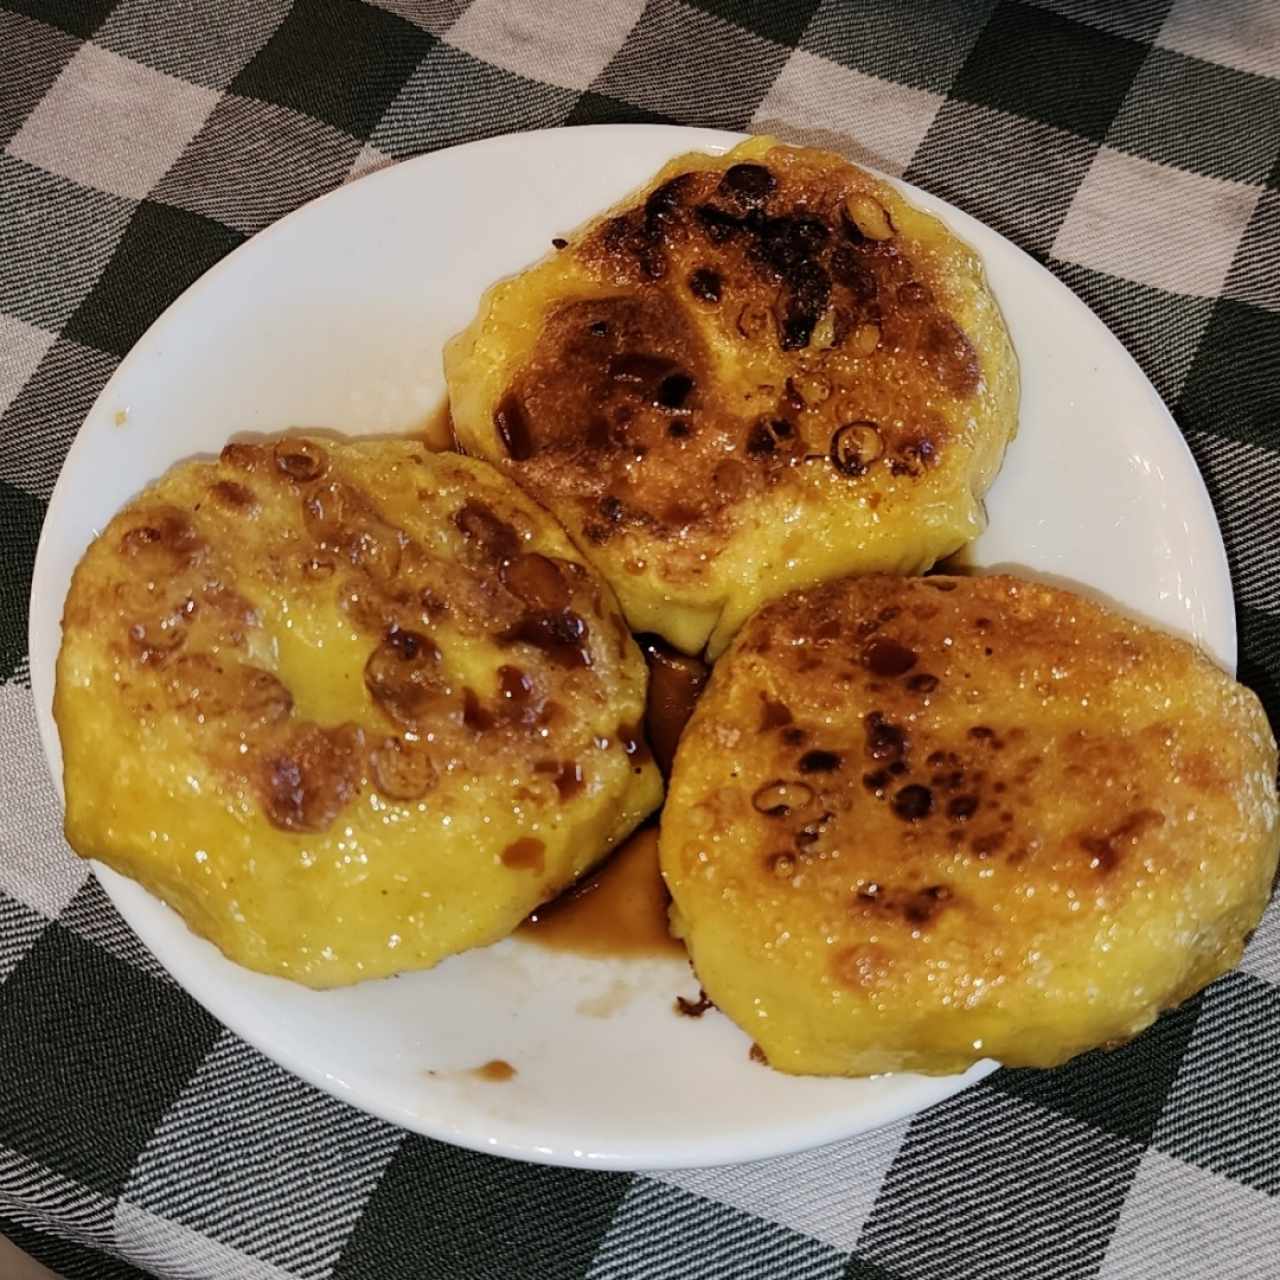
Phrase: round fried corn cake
x=917 y=823
x=765 y=370
x=348 y=708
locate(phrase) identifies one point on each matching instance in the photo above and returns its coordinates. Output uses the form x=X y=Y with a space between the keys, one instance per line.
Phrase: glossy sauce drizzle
x=495 y=1071
x=676 y=682
x=618 y=910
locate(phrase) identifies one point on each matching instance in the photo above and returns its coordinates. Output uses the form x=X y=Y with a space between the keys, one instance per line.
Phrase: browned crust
x=628 y=406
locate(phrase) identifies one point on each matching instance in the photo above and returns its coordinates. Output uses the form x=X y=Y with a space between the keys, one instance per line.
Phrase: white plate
x=335 y=318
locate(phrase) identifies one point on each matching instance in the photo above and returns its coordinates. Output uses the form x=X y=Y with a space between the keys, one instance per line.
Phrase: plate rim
x=130 y=899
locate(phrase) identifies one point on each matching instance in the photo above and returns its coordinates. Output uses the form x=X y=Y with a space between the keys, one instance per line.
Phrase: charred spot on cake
x=887 y=657
x=562 y=635
x=748 y=185
x=950 y=356
x=401 y=770
x=913 y=295
x=924 y=906
x=512 y=426
x=153 y=640
x=826 y=629
x=768 y=436
x=673 y=391
x=301 y=460
x=634 y=242
x=475 y=715
x=718 y=225
x=1106 y=849
x=912 y=802
x=877 y=782
x=786 y=247
x=855 y=446
x=864 y=967
x=537 y=581
x=637 y=361
x=705 y=284
x=917 y=907
x=808 y=290
x=208 y=688
x=244 y=456
x=819 y=761
x=812 y=831
x=868 y=626
x=515 y=687
x=953 y=779
x=234 y=497
x=662 y=206
x=403 y=676
x=311 y=775
x=486 y=530
x=679 y=515
x=989 y=843
x=525 y=854
x=773 y=713
x=850 y=271
x=164 y=540
x=781 y=798
x=640 y=369
x=567 y=775
x=884 y=740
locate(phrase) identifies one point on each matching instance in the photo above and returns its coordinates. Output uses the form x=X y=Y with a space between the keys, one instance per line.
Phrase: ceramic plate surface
x=335 y=318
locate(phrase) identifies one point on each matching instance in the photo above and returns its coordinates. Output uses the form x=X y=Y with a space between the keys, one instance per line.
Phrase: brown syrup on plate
x=620 y=909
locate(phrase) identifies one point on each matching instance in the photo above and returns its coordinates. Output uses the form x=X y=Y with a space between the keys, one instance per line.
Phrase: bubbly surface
x=764 y=370
x=348 y=707
x=917 y=823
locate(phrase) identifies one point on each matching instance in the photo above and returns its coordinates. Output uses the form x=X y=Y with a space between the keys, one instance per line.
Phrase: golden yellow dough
x=348 y=708
x=916 y=823
x=765 y=370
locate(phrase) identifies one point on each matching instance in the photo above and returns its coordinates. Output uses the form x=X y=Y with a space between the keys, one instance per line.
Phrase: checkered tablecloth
x=1134 y=148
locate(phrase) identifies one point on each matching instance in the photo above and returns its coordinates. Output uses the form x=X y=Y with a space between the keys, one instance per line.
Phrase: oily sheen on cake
x=765 y=370
x=915 y=823
x=349 y=708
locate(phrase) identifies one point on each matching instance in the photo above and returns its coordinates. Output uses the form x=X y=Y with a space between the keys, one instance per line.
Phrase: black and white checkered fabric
x=1132 y=147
